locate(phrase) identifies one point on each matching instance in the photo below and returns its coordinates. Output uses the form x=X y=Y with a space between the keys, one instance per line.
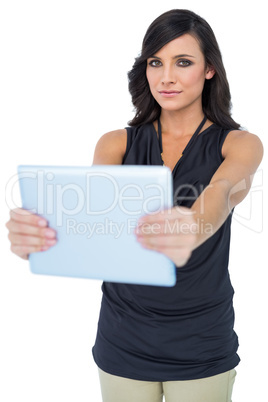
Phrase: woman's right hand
x=29 y=233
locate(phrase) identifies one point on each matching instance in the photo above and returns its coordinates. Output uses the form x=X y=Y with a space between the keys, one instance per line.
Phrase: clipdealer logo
x=51 y=198
x=70 y=199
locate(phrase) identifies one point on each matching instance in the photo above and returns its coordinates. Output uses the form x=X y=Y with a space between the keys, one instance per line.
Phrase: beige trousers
x=211 y=389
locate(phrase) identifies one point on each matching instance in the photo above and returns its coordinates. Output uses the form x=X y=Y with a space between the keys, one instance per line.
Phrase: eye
x=184 y=63
x=155 y=63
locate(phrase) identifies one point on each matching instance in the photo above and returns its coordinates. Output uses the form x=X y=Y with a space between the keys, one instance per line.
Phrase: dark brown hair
x=216 y=97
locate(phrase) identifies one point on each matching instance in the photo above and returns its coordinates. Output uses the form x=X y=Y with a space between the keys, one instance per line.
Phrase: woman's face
x=177 y=73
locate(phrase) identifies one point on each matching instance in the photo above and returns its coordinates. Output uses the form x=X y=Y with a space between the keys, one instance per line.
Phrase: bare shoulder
x=242 y=142
x=242 y=152
x=114 y=137
x=111 y=148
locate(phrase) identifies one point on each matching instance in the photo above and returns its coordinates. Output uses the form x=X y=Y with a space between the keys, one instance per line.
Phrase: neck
x=178 y=123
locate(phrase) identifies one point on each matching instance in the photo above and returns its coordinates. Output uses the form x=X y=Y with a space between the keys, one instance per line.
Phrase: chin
x=171 y=108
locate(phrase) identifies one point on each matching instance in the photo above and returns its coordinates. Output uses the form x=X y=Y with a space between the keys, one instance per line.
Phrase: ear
x=210 y=72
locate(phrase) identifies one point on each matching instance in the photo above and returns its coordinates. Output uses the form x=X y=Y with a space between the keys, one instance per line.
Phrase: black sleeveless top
x=184 y=332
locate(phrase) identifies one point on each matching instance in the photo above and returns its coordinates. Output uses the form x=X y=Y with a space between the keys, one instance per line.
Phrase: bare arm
x=229 y=186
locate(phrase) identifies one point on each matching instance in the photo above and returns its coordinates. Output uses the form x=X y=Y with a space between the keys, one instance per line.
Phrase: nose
x=168 y=76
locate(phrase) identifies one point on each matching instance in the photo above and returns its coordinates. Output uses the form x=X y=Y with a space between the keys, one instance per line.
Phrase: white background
x=63 y=74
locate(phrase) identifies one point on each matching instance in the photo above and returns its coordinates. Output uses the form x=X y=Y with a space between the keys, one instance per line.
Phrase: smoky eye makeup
x=155 y=63
x=179 y=63
x=184 y=63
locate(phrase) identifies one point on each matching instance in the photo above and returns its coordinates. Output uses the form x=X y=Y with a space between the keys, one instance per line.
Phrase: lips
x=169 y=94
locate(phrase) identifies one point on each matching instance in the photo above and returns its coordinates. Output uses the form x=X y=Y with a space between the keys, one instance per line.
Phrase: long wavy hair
x=216 y=97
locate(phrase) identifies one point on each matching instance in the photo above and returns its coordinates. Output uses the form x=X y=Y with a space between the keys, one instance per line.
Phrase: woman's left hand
x=172 y=232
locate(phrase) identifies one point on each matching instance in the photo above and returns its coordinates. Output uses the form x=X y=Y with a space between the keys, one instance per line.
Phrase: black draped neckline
x=190 y=144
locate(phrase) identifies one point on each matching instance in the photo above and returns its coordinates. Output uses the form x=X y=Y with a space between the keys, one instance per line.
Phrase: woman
x=178 y=342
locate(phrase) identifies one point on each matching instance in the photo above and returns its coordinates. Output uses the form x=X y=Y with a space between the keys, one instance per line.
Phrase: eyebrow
x=175 y=57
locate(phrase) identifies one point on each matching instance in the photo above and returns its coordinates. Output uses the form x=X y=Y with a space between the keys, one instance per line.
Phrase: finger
x=167 y=241
x=24 y=216
x=173 y=213
x=24 y=240
x=26 y=229
x=167 y=227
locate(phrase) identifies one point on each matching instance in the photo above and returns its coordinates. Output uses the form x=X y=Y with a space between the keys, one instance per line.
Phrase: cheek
x=152 y=77
x=195 y=79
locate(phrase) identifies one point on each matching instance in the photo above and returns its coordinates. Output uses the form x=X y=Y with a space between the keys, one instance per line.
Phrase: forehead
x=185 y=44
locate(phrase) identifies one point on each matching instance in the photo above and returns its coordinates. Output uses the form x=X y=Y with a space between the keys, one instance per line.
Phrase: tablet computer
x=95 y=211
